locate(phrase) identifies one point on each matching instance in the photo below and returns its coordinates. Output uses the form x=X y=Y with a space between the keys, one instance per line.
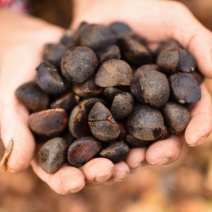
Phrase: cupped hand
x=157 y=21
x=21 y=43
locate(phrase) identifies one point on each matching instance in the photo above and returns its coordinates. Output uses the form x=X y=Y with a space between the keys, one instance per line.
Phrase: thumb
x=16 y=137
x=193 y=36
x=15 y=134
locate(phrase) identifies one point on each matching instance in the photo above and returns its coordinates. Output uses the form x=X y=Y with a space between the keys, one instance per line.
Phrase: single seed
x=145 y=123
x=49 y=80
x=122 y=105
x=96 y=36
x=52 y=155
x=102 y=124
x=50 y=122
x=176 y=117
x=120 y=29
x=114 y=73
x=78 y=64
x=66 y=102
x=109 y=52
x=134 y=52
x=115 y=152
x=32 y=96
x=53 y=53
x=185 y=88
x=87 y=89
x=82 y=150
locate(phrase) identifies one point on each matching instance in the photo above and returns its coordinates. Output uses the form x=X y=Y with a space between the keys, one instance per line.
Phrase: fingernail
x=4 y=161
x=102 y=178
x=200 y=141
x=75 y=190
x=141 y=164
x=163 y=161
x=123 y=176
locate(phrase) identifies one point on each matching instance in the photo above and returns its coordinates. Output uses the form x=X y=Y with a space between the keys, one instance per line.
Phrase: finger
x=66 y=180
x=98 y=171
x=16 y=137
x=120 y=172
x=200 y=126
x=136 y=157
x=13 y=115
x=164 y=151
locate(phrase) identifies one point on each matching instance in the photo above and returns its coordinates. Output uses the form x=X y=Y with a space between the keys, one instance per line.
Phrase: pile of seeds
x=101 y=91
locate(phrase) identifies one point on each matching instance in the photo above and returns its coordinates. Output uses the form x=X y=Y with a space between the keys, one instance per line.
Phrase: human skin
x=21 y=43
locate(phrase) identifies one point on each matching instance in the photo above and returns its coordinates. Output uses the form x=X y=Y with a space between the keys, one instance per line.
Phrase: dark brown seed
x=120 y=29
x=134 y=142
x=197 y=75
x=81 y=29
x=32 y=96
x=109 y=52
x=66 y=102
x=96 y=37
x=134 y=51
x=187 y=62
x=122 y=105
x=110 y=92
x=79 y=64
x=49 y=80
x=87 y=89
x=114 y=73
x=52 y=155
x=167 y=45
x=68 y=39
x=48 y=122
x=153 y=87
x=53 y=53
x=135 y=86
x=115 y=152
x=78 y=120
x=83 y=150
x=177 y=117
x=185 y=89
x=102 y=124
x=140 y=39
x=145 y=123
x=173 y=60
x=168 y=61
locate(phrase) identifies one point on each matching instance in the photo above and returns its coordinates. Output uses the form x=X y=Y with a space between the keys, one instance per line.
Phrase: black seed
x=52 y=155
x=32 y=96
x=114 y=73
x=79 y=64
x=143 y=122
x=177 y=117
x=115 y=152
x=102 y=124
x=83 y=150
x=185 y=89
x=49 y=80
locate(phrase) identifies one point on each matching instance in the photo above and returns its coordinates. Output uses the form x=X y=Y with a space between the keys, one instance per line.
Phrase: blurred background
x=184 y=186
